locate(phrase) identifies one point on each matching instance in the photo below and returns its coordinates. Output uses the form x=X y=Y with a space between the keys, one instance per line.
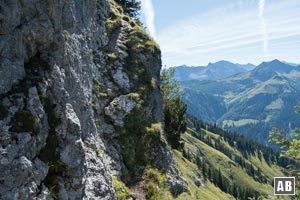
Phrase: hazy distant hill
x=251 y=102
x=213 y=71
x=290 y=63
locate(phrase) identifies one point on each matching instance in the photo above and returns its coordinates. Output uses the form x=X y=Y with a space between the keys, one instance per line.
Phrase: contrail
x=261 y=5
x=149 y=13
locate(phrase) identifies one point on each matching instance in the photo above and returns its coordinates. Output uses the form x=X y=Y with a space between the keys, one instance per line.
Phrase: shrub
x=152 y=135
x=138 y=138
x=174 y=108
x=24 y=121
x=112 y=25
x=131 y=7
x=114 y=20
x=154 y=183
x=134 y=129
x=141 y=47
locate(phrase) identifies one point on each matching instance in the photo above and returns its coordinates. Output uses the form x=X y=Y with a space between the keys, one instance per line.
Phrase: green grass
x=231 y=170
x=155 y=185
x=121 y=190
x=191 y=173
x=115 y=18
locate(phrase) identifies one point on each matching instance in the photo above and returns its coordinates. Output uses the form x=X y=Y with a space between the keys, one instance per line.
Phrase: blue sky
x=196 y=32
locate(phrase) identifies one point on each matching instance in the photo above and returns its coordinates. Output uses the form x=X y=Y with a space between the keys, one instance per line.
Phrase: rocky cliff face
x=79 y=101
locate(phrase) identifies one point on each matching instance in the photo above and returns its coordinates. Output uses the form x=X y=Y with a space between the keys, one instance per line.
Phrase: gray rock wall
x=47 y=54
x=61 y=103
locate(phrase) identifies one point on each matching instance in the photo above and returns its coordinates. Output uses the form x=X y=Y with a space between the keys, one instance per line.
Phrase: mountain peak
x=266 y=70
x=273 y=64
x=275 y=60
x=220 y=63
x=278 y=62
x=213 y=71
x=223 y=61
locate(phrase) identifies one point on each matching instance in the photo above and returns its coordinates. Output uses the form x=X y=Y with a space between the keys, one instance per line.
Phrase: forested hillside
x=218 y=163
x=251 y=103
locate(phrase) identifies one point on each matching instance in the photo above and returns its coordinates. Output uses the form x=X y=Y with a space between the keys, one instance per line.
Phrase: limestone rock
x=118 y=109
x=199 y=183
x=51 y=55
x=122 y=80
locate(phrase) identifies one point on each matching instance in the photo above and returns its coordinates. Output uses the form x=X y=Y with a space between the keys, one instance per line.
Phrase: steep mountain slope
x=250 y=103
x=213 y=71
x=211 y=160
x=80 y=103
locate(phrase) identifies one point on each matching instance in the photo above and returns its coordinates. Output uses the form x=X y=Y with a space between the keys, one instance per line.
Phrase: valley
x=250 y=103
x=91 y=107
x=222 y=165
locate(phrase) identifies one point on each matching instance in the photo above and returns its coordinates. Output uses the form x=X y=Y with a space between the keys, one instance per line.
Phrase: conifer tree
x=130 y=7
x=174 y=108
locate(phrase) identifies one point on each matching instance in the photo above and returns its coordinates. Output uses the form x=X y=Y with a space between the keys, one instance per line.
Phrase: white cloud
x=261 y=5
x=149 y=14
x=233 y=32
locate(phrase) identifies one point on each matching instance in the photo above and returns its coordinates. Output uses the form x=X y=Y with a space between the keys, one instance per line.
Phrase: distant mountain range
x=213 y=71
x=251 y=102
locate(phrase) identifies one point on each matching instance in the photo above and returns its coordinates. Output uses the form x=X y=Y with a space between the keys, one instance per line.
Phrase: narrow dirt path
x=138 y=191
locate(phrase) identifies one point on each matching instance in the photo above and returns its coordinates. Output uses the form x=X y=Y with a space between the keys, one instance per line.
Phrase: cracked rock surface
x=62 y=103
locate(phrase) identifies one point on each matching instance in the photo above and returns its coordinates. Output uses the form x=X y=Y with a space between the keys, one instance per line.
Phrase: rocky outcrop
x=67 y=86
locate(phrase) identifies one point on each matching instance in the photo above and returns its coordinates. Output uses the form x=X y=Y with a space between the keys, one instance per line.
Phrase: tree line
x=214 y=175
x=244 y=145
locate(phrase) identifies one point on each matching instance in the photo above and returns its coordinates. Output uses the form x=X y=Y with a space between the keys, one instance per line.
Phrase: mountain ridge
x=245 y=101
x=214 y=71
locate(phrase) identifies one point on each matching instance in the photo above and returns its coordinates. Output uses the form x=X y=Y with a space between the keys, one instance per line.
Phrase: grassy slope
x=191 y=173
x=228 y=168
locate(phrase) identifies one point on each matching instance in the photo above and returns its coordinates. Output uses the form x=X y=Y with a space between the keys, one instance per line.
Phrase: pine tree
x=130 y=7
x=204 y=171
x=220 y=180
x=174 y=108
x=234 y=190
x=198 y=161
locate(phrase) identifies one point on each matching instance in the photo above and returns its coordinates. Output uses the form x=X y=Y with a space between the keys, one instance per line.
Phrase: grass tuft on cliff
x=121 y=190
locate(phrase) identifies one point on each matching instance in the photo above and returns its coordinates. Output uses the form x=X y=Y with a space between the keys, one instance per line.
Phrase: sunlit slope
x=258 y=183
x=250 y=103
x=192 y=174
